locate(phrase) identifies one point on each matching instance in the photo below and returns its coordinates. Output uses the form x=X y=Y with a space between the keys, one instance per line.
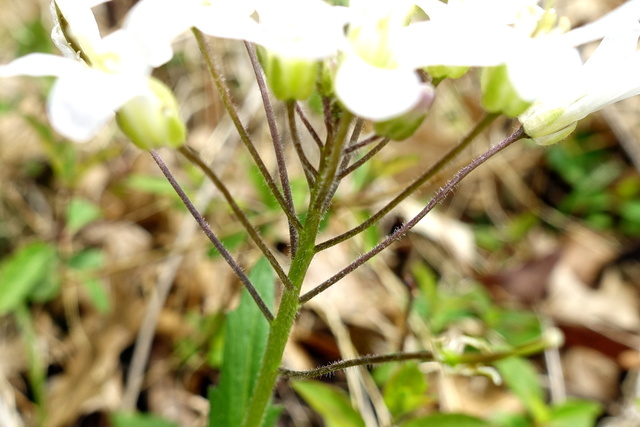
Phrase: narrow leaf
x=122 y=419
x=405 y=390
x=23 y=272
x=574 y=413
x=447 y=420
x=520 y=376
x=81 y=212
x=246 y=334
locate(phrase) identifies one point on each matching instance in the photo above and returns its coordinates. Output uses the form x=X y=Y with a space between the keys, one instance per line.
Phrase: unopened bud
x=152 y=120
x=546 y=127
x=498 y=94
x=289 y=78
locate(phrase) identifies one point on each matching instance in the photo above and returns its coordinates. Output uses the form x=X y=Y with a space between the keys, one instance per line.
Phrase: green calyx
x=498 y=94
x=152 y=120
x=289 y=78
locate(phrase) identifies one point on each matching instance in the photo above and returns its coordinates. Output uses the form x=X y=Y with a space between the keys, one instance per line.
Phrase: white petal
x=615 y=52
x=122 y=52
x=82 y=103
x=216 y=24
x=305 y=29
x=543 y=68
x=433 y=43
x=376 y=93
x=39 y=65
x=622 y=17
x=158 y=22
x=82 y=23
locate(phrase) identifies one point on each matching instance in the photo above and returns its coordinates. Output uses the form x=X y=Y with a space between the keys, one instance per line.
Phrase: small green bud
x=402 y=127
x=153 y=120
x=289 y=78
x=554 y=137
x=441 y=72
x=547 y=126
x=498 y=94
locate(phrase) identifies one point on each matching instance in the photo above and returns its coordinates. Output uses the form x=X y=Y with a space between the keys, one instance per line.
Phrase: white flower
x=158 y=22
x=294 y=35
x=608 y=76
x=95 y=78
x=371 y=80
x=300 y=28
x=377 y=78
x=463 y=33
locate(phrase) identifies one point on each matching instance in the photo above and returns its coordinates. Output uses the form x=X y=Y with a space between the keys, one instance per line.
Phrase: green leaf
x=230 y=242
x=510 y=420
x=246 y=334
x=447 y=420
x=81 y=212
x=123 y=419
x=575 y=413
x=516 y=326
x=521 y=377
x=151 y=184
x=330 y=402
x=267 y=197
x=97 y=294
x=26 y=270
x=405 y=390
x=88 y=259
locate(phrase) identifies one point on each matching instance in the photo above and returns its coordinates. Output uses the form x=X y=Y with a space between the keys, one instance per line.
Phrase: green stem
x=194 y=158
x=289 y=305
x=479 y=127
x=225 y=95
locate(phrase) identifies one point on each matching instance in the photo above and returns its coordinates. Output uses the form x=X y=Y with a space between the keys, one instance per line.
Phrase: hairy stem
x=225 y=94
x=535 y=346
x=359 y=361
x=277 y=143
x=194 y=158
x=212 y=237
x=309 y=171
x=480 y=126
x=379 y=146
x=363 y=143
x=307 y=124
x=401 y=231
x=289 y=305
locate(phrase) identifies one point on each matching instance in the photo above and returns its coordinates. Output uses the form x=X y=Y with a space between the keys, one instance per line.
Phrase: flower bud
x=441 y=72
x=498 y=94
x=402 y=127
x=289 y=78
x=547 y=127
x=152 y=120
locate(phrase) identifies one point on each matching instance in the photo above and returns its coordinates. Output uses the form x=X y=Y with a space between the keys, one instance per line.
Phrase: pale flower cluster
x=379 y=58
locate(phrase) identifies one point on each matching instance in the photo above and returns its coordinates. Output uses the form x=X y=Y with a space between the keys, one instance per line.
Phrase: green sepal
x=153 y=121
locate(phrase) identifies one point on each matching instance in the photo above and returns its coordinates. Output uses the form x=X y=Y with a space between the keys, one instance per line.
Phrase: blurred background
x=538 y=237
